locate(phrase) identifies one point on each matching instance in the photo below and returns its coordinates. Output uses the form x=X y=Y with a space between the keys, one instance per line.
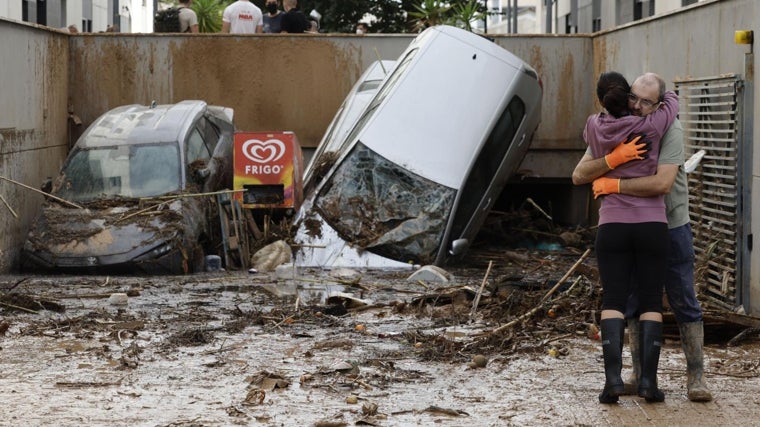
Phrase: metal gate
x=710 y=112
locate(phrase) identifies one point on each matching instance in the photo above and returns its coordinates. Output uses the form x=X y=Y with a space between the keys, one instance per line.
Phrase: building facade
x=589 y=16
x=92 y=16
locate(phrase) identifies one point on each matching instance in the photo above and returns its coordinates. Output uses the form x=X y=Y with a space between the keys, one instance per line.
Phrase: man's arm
x=225 y=27
x=589 y=169
x=653 y=185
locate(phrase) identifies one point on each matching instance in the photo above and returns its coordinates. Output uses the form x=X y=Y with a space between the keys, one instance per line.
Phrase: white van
x=424 y=163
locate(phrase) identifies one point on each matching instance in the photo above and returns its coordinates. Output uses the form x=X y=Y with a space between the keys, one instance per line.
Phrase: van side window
x=210 y=133
x=487 y=164
x=196 y=147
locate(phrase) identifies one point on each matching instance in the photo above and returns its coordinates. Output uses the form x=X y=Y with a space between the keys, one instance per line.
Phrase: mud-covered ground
x=351 y=348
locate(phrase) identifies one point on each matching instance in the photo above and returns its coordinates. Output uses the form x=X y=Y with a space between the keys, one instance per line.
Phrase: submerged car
x=138 y=175
x=427 y=158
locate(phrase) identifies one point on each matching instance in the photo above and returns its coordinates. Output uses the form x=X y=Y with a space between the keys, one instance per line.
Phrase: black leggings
x=632 y=255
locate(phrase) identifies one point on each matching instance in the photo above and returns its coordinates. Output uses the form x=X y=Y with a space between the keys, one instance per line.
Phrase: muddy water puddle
x=237 y=349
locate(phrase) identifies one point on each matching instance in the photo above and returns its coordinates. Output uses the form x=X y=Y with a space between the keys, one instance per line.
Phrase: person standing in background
x=188 y=19
x=294 y=21
x=273 y=17
x=242 y=17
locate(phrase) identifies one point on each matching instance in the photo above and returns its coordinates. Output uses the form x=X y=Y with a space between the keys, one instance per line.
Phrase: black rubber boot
x=650 y=335
x=612 y=349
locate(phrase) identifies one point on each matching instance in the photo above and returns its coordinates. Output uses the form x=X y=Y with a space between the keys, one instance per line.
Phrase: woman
x=632 y=239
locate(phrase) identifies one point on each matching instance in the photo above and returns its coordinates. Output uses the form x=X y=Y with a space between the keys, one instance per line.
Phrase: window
x=41 y=12
x=196 y=148
x=643 y=9
x=125 y=170
x=487 y=165
x=596 y=16
x=210 y=133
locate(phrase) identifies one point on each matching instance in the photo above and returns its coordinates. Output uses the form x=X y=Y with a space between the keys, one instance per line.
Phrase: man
x=273 y=17
x=242 y=17
x=670 y=179
x=294 y=21
x=188 y=20
x=362 y=28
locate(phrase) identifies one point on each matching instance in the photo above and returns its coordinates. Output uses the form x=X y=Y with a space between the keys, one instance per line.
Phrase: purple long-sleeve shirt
x=603 y=132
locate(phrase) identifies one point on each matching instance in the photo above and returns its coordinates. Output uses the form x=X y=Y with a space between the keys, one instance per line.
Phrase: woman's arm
x=665 y=114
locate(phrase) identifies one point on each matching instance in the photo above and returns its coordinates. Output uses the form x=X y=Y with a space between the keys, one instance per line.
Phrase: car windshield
x=384 y=208
x=127 y=170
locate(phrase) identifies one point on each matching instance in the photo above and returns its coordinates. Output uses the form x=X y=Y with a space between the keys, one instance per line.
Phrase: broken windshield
x=127 y=171
x=382 y=207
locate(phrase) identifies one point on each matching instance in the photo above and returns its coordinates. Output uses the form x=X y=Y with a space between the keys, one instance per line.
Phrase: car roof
x=137 y=124
x=459 y=104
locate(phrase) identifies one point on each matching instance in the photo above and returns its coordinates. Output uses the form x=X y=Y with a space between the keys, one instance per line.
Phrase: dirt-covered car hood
x=103 y=230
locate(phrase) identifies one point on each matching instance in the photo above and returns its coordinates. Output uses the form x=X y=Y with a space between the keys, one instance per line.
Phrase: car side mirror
x=47 y=185
x=202 y=174
x=458 y=247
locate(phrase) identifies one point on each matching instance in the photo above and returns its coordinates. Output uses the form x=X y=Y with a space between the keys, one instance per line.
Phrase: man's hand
x=626 y=151
x=603 y=185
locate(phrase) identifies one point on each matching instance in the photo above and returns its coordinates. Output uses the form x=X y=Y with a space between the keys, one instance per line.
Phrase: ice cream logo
x=263 y=152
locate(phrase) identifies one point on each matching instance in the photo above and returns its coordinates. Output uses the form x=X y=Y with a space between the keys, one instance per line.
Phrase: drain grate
x=710 y=118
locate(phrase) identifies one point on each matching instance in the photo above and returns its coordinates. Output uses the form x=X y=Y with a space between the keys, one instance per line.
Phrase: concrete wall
x=34 y=87
x=293 y=82
x=274 y=82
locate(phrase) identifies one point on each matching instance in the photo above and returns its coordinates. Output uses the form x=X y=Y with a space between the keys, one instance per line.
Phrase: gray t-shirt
x=672 y=153
x=187 y=18
x=273 y=24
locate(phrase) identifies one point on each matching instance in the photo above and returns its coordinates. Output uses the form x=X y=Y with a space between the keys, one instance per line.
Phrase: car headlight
x=161 y=250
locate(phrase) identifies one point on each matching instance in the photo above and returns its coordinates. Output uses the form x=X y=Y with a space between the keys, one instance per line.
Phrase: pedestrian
x=362 y=28
x=293 y=21
x=188 y=19
x=631 y=241
x=242 y=17
x=671 y=181
x=273 y=17
x=313 y=26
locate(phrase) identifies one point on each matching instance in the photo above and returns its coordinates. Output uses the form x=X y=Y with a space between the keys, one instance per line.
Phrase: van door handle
x=522 y=139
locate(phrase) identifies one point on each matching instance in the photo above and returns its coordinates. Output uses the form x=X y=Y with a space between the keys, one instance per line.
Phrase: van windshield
x=128 y=171
x=382 y=207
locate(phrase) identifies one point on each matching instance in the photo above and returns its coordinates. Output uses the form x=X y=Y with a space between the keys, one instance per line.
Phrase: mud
x=233 y=348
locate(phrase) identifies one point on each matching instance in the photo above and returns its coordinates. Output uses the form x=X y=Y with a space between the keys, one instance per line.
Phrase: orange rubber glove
x=627 y=151
x=602 y=186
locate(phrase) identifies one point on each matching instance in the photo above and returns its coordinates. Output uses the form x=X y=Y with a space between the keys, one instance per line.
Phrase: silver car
x=135 y=174
x=424 y=163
